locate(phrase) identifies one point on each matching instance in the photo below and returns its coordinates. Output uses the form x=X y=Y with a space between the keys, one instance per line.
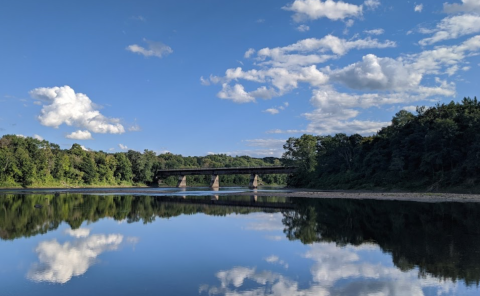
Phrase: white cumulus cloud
x=372 y=4
x=418 y=8
x=453 y=27
x=40 y=138
x=272 y=111
x=315 y=9
x=80 y=135
x=466 y=6
x=63 y=106
x=123 y=147
x=249 y=53
x=155 y=49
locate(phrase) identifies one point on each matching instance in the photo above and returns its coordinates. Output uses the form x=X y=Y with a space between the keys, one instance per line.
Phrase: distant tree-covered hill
x=35 y=163
x=436 y=148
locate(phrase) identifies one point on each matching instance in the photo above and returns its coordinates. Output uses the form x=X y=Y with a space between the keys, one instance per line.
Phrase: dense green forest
x=34 y=163
x=435 y=149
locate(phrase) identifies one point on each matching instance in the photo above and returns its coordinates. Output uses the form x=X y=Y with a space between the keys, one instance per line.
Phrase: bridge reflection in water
x=215 y=172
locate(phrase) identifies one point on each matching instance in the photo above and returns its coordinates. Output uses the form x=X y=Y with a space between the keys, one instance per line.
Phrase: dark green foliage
x=30 y=162
x=438 y=148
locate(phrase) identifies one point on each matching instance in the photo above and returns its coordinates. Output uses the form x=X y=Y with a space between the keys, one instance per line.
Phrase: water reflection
x=335 y=271
x=58 y=263
x=429 y=245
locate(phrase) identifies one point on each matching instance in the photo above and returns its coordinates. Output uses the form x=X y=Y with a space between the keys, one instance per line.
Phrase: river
x=162 y=241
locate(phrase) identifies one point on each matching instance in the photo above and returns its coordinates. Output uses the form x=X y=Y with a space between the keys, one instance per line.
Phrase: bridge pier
x=253 y=181
x=214 y=183
x=182 y=181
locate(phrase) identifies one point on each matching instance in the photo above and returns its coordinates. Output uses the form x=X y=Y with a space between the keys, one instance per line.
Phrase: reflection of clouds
x=274 y=237
x=275 y=260
x=78 y=233
x=335 y=271
x=59 y=262
x=266 y=222
x=271 y=284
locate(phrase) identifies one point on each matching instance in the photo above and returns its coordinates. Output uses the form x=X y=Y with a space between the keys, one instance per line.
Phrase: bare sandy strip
x=290 y=192
x=401 y=196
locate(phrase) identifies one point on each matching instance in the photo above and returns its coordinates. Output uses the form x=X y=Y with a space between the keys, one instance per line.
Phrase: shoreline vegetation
x=433 y=151
x=26 y=162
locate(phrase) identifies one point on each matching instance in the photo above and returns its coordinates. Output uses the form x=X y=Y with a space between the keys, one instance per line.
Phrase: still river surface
x=199 y=242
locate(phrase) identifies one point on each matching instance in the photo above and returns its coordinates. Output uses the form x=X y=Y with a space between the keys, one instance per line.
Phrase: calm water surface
x=200 y=242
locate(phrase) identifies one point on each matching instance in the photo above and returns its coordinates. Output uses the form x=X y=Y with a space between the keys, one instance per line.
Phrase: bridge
x=215 y=172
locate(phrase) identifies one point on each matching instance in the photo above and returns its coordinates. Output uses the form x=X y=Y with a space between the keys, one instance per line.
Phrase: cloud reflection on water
x=58 y=263
x=335 y=271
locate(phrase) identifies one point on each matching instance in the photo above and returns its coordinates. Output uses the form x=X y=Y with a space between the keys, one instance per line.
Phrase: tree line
x=436 y=148
x=25 y=161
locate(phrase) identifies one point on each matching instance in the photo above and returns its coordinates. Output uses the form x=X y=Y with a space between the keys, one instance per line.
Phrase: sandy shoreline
x=404 y=196
x=288 y=192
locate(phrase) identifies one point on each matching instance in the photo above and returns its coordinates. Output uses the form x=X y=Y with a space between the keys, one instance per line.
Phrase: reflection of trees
x=442 y=239
x=20 y=218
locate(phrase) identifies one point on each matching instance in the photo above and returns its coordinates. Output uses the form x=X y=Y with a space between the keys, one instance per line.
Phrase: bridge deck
x=227 y=171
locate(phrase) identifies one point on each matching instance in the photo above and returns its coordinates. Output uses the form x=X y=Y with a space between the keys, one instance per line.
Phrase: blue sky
x=236 y=77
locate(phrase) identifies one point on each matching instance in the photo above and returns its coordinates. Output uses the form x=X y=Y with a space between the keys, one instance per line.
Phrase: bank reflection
x=424 y=239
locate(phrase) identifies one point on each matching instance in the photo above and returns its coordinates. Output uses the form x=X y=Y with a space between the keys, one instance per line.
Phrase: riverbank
x=400 y=196
x=280 y=192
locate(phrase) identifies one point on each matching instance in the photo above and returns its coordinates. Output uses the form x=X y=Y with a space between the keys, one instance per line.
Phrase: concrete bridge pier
x=253 y=181
x=182 y=181
x=214 y=183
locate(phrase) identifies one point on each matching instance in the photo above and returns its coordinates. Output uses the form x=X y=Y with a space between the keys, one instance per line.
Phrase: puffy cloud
x=249 y=53
x=38 y=137
x=372 y=4
x=272 y=111
x=60 y=262
x=236 y=93
x=466 y=6
x=63 y=106
x=303 y=28
x=329 y=43
x=285 y=67
x=375 y=31
x=433 y=61
x=315 y=9
x=80 y=135
x=341 y=122
x=155 y=49
x=374 y=73
x=418 y=8
x=123 y=147
x=453 y=27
